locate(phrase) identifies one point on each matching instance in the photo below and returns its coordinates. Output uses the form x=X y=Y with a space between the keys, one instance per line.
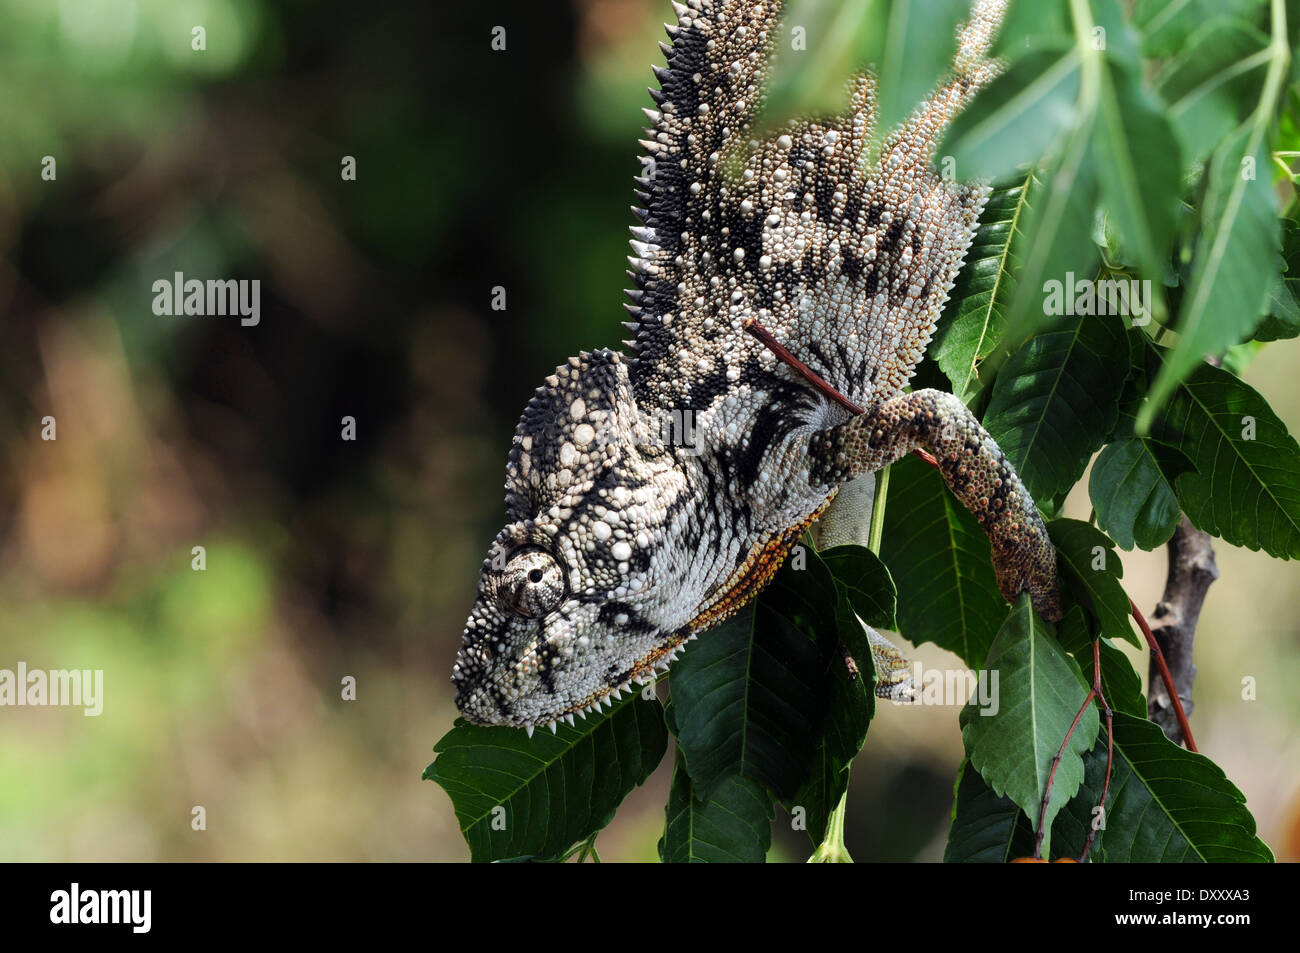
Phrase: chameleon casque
x=623 y=543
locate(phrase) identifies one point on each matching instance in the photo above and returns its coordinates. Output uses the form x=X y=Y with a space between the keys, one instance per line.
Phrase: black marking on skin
x=853 y=208
x=889 y=245
x=853 y=263
x=635 y=624
x=823 y=364
x=547 y=655
x=704 y=389
x=787 y=406
x=897 y=294
x=824 y=193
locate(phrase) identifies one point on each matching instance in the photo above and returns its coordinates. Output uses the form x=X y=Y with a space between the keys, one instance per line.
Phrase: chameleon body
x=650 y=496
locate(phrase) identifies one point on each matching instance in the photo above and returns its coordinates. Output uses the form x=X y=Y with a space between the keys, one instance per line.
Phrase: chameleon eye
x=532 y=584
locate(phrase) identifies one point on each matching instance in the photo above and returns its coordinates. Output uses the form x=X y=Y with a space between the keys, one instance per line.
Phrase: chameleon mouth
x=645 y=671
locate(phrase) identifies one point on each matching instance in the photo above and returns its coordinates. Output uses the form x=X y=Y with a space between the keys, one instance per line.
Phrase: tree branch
x=1191 y=570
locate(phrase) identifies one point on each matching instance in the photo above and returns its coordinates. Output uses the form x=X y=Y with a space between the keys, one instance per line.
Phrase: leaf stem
x=583 y=849
x=1165 y=675
x=832 y=850
x=878 y=511
x=1099 y=820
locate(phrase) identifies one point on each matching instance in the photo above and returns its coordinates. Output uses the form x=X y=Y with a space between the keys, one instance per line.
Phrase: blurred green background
x=328 y=558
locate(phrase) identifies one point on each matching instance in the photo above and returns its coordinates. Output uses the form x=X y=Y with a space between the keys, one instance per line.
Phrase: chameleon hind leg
x=974 y=467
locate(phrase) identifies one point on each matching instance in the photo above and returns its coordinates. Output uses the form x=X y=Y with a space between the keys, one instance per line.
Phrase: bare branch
x=1191 y=570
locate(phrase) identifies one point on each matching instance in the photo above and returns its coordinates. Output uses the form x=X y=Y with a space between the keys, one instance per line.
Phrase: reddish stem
x=812 y=377
x=1094 y=692
x=1165 y=675
x=1051 y=777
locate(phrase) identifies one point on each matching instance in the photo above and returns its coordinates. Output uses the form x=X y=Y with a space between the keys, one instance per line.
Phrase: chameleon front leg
x=974 y=467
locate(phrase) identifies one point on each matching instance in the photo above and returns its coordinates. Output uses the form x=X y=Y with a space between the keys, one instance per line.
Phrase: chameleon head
x=571 y=603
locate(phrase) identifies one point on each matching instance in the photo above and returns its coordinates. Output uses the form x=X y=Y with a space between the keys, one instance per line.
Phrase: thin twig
x=1110 y=746
x=1051 y=776
x=1158 y=659
x=812 y=377
x=802 y=369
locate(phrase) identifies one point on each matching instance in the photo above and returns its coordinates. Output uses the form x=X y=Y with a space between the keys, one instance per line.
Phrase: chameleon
x=651 y=493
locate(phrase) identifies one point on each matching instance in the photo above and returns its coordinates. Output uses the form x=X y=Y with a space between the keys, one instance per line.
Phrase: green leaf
x=1245 y=491
x=810 y=79
x=1120 y=683
x=912 y=53
x=749 y=697
x=553 y=790
x=732 y=827
x=1033 y=24
x=1166 y=25
x=986 y=828
x=1137 y=147
x=865 y=581
x=853 y=704
x=1016 y=119
x=1166 y=804
x=1058 y=234
x=939 y=558
x=1092 y=570
x=1233 y=266
x=1133 y=500
x=1057 y=398
x=975 y=316
x=1213 y=82
x=1283 y=319
x=1039 y=693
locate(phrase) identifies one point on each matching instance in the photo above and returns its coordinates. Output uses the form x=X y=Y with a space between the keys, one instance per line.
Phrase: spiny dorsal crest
x=802 y=228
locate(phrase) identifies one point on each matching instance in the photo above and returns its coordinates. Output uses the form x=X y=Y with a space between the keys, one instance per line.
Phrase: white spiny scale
x=529 y=729
x=552 y=726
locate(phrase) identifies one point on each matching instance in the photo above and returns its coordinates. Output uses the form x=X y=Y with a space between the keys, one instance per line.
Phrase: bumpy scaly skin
x=974 y=467
x=623 y=542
